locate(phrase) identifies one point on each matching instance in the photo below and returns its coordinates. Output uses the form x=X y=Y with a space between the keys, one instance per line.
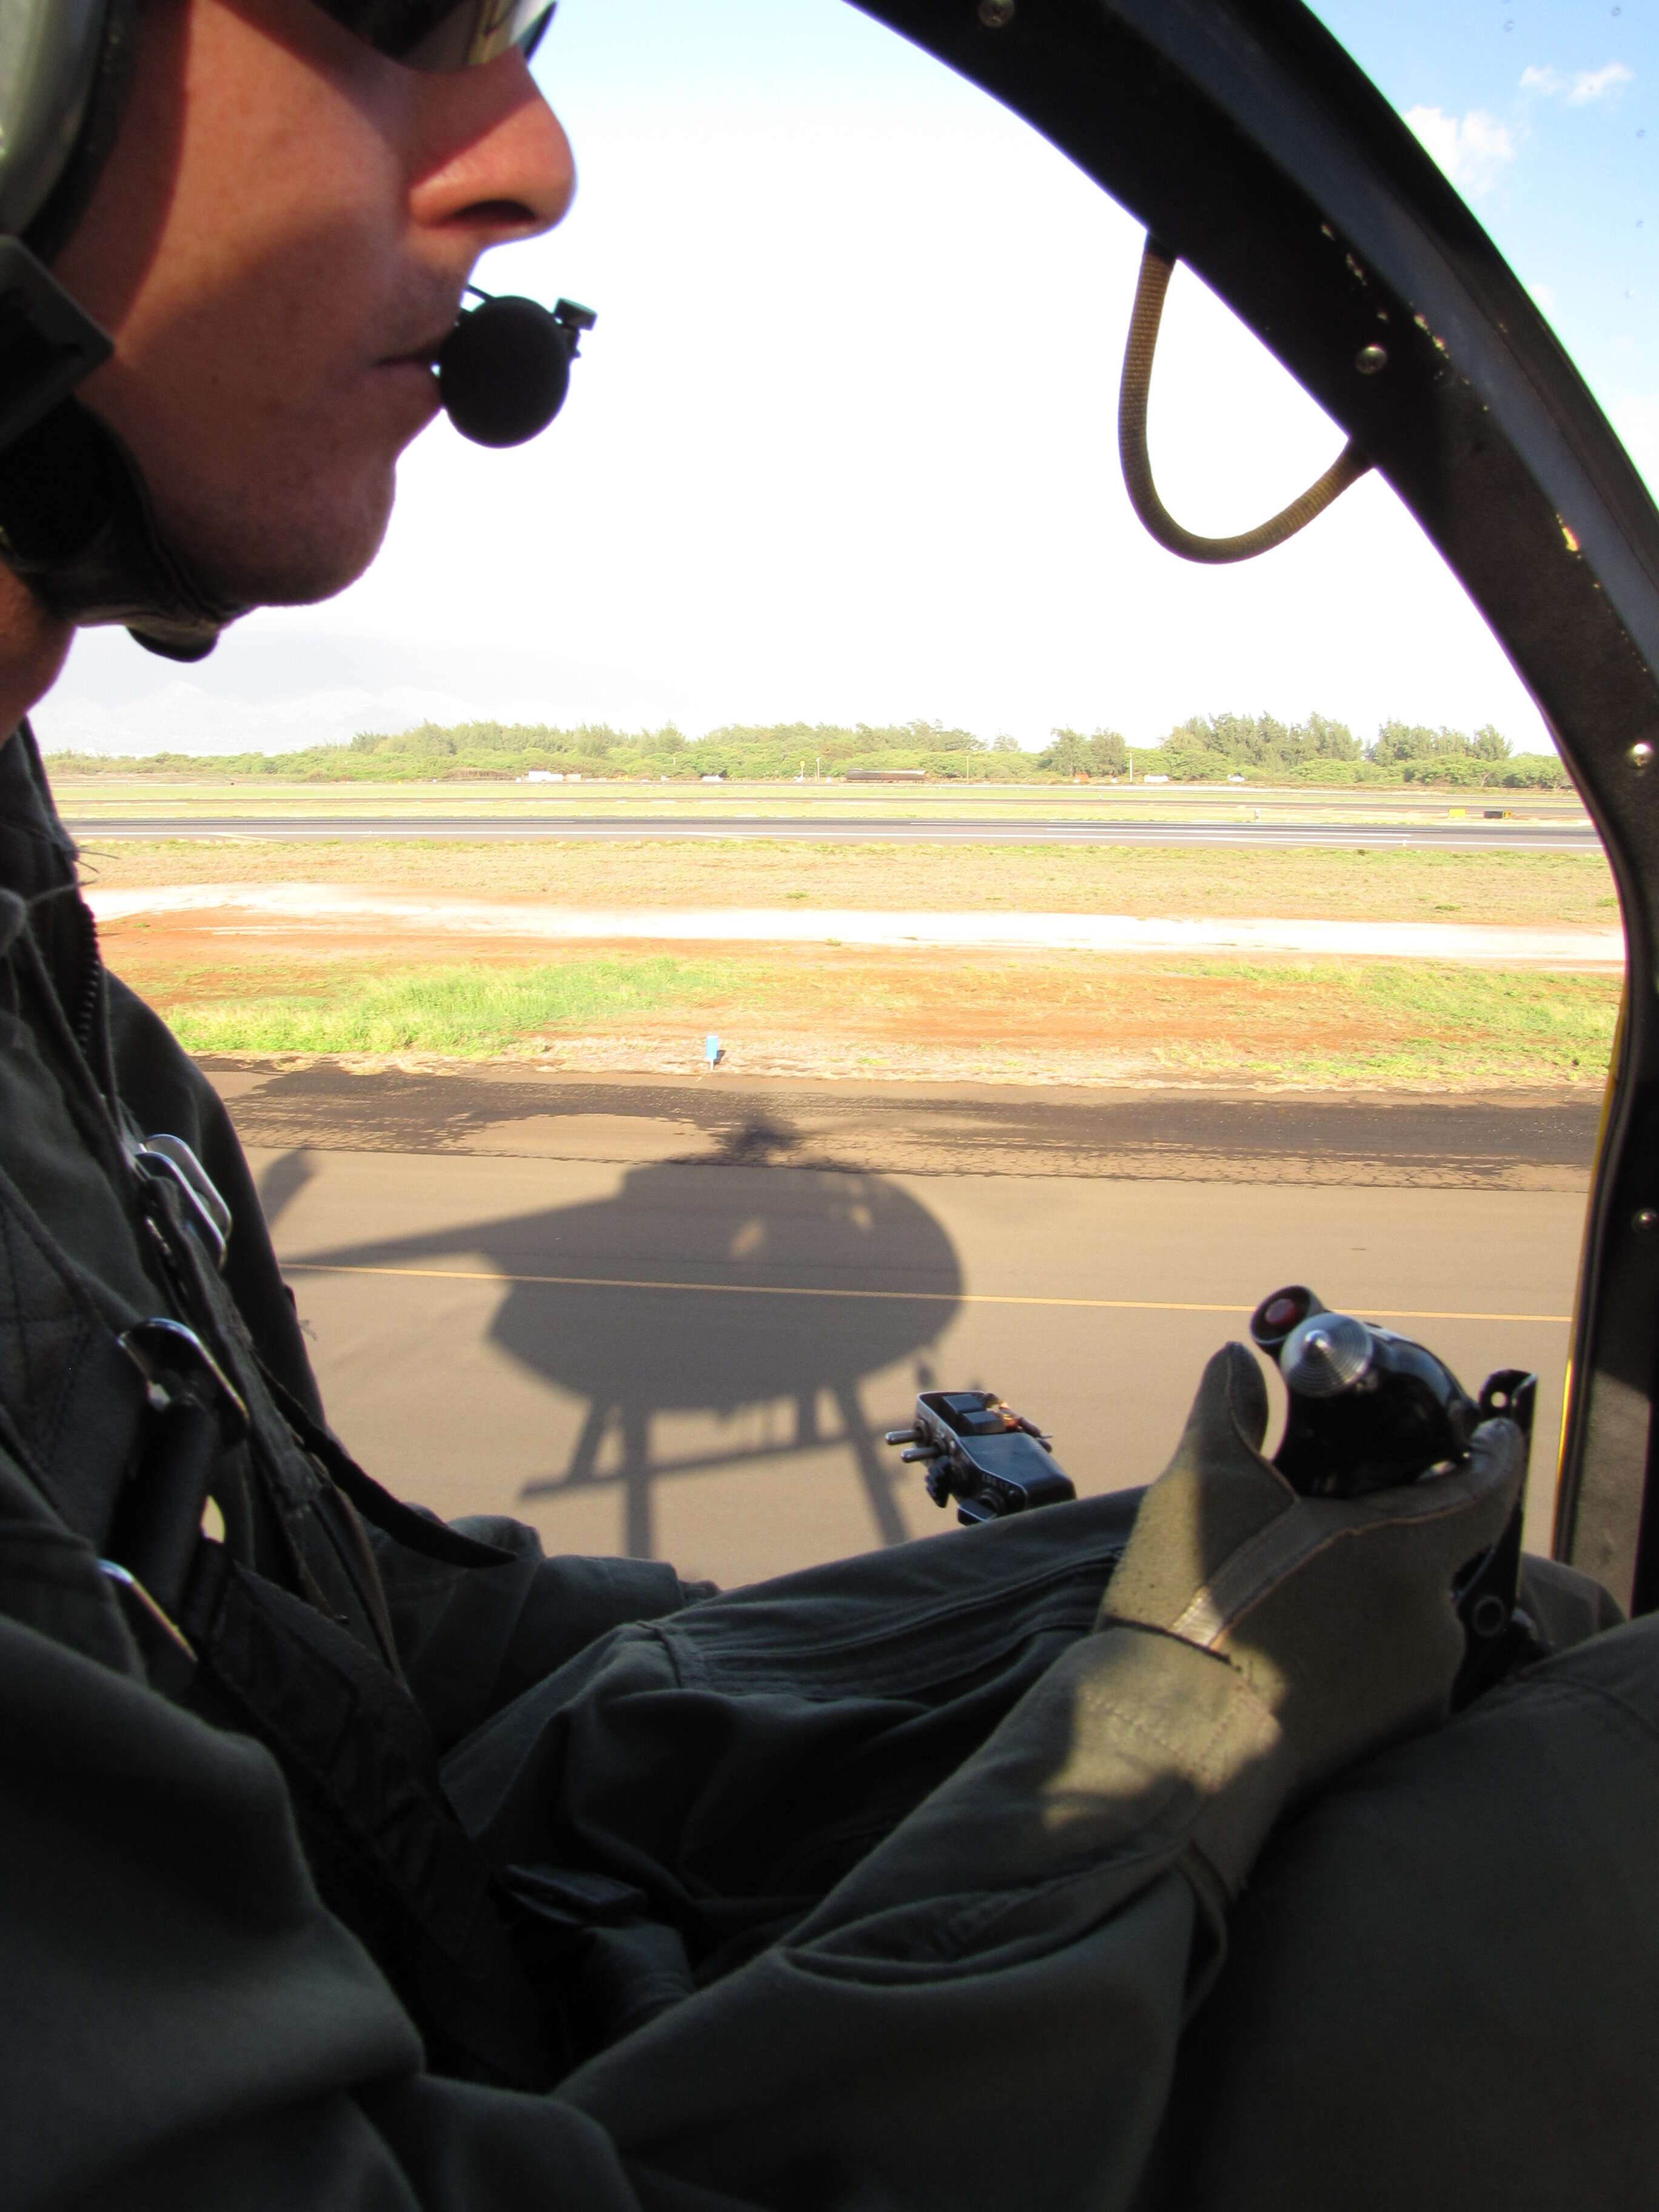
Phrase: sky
x=841 y=448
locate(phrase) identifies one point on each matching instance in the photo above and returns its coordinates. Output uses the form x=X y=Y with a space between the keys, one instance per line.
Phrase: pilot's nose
x=502 y=167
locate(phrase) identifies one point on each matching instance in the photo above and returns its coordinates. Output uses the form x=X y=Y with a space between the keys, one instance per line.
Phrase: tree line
x=1215 y=747
x=1260 y=749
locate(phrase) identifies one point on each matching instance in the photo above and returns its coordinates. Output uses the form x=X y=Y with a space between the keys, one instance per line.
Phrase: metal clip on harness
x=167 y=1160
x=195 y=1416
x=1156 y=267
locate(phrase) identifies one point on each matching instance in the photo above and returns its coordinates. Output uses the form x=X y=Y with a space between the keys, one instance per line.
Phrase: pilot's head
x=271 y=206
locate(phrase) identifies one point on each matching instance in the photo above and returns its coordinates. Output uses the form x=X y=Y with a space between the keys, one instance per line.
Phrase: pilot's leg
x=1442 y=1983
x=716 y=1772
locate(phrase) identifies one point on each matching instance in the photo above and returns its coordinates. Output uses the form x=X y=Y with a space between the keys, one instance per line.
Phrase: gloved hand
x=1338 y=1613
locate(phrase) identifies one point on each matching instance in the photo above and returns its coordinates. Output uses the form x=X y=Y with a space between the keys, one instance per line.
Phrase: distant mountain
x=181 y=718
x=273 y=686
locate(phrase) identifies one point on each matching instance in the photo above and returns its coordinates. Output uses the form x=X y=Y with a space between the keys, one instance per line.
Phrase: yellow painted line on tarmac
x=802 y=1290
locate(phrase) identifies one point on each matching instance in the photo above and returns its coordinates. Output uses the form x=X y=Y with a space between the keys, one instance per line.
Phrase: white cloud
x=1472 y=149
x=1579 y=87
x=1591 y=84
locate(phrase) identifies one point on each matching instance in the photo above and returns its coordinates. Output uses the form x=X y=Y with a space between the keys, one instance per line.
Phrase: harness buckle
x=197 y=1415
x=177 y=1370
x=169 y=1159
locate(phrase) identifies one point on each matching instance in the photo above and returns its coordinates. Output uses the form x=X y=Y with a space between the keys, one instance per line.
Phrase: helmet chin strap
x=76 y=520
x=78 y=525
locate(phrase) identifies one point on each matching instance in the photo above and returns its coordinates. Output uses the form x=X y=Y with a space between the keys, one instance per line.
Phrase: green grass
x=1318 y=1024
x=472 y=1013
x=1389 y=1022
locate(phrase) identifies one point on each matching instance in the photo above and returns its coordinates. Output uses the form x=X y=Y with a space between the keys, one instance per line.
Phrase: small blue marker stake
x=711 y=1052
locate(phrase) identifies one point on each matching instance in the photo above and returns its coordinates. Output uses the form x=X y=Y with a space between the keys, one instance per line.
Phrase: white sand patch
x=317 y=905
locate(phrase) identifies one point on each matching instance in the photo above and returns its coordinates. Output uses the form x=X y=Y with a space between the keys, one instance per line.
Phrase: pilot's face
x=278 y=244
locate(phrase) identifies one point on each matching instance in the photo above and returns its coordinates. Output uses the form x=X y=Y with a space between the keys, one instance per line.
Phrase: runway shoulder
x=1518 y=1139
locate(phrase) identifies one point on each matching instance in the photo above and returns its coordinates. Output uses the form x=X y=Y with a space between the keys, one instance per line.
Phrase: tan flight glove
x=1337 y=1612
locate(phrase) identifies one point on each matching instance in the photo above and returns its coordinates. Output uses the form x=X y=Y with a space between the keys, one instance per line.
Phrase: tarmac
x=674 y=1319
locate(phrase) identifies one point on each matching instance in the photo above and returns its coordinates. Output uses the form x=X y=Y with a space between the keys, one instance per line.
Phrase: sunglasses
x=440 y=34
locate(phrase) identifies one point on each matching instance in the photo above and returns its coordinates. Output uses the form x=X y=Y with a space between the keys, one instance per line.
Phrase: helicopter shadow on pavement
x=711 y=1289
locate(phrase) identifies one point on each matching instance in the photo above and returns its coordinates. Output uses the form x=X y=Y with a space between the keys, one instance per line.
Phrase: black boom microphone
x=504 y=369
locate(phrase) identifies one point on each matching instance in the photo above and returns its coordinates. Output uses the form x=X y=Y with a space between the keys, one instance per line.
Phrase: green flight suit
x=834 y=1893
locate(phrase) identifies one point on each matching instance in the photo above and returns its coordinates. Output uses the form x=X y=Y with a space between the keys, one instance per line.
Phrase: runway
x=675 y=1319
x=1469 y=836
